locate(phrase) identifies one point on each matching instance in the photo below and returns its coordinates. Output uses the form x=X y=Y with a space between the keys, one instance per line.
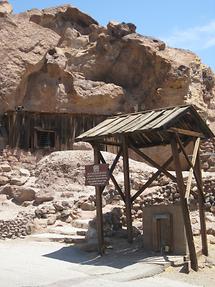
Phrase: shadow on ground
x=121 y=256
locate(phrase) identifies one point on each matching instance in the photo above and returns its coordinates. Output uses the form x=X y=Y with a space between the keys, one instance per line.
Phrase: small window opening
x=45 y=139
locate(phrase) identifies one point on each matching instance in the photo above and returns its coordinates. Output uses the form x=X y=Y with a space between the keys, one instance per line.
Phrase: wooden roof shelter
x=175 y=126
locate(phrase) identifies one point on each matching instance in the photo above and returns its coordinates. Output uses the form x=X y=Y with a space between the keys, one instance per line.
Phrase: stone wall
x=207 y=152
x=20 y=226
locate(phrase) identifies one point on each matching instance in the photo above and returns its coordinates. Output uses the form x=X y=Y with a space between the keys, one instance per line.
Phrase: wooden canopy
x=150 y=128
x=175 y=126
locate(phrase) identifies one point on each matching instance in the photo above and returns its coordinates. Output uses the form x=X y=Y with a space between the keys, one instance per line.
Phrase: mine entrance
x=162 y=233
x=33 y=130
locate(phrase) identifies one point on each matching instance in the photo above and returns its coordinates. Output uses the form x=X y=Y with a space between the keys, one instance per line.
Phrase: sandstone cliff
x=62 y=60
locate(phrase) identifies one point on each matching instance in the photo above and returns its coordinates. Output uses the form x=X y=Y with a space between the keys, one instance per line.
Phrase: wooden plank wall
x=21 y=127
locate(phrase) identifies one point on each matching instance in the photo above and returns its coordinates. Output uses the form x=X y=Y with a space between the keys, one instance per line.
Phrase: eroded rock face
x=54 y=88
x=61 y=60
x=5 y=8
x=22 y=46
x=57 y=19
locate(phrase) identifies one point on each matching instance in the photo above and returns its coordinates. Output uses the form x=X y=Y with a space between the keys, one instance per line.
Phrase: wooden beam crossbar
x=187 y=158
x=155 y=175
x=183 y=150
x=152 y=162
x=146 y=185
x=116 y=160
x=111 y=172
x=185 y=132
x=110 y=143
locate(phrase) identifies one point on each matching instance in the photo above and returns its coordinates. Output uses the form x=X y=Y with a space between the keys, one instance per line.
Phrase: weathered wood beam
x=128 y=202
x=152 y=162
x=110 y=143
x=189 y=181
x=112 y=176
x=184 y=205
x=201 y=201
x=116 y=160
x=187 y=158
x=185 y=132
x=146 y=185
x=155 y=175
x=182 y=147
x=196 y=167
x=99 y=215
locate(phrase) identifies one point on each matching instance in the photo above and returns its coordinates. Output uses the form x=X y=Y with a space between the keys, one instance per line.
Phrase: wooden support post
x=99 y=216
x=201 y=200
x=189 y=181
x=185 y=210
x=128 y=203
x=195 y=165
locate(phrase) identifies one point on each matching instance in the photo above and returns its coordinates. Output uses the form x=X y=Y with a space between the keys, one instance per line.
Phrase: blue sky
x=188 y=24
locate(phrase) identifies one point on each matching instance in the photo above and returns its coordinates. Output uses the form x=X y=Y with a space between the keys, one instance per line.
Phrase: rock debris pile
x=18 y=227
x=207 y=151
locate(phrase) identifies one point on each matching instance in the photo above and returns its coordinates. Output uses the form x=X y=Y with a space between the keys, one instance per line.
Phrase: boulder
x=51 y=219
x=3 y=180
x=7 y=190
x=5 y=167
x=21 y=194
x=119 y=30
x=88 y=206
x=41 y=197
x=65 y=214
x=58 y=206
x=24 y=172
x=45 y=211
x=18 y=180
x=211 y=229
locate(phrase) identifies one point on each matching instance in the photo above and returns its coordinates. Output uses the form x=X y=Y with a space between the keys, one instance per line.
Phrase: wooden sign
x=97 y=174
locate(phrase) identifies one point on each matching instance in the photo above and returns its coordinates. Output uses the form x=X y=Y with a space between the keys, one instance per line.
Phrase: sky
x=187 y=24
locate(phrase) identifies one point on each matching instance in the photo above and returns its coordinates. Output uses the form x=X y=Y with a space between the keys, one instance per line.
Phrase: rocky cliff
x=62 y=60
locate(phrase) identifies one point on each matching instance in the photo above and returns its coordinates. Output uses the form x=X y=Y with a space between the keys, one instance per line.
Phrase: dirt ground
x=204 y=277
x=27 y=263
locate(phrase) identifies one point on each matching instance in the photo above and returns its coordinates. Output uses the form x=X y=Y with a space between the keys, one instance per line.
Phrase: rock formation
x=5 y=7
x=62 y=60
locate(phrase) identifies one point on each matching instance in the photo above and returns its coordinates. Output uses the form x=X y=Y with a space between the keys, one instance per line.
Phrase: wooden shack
x=43 y=130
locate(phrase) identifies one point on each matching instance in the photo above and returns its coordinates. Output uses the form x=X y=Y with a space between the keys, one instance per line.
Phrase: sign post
x=97 y=174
